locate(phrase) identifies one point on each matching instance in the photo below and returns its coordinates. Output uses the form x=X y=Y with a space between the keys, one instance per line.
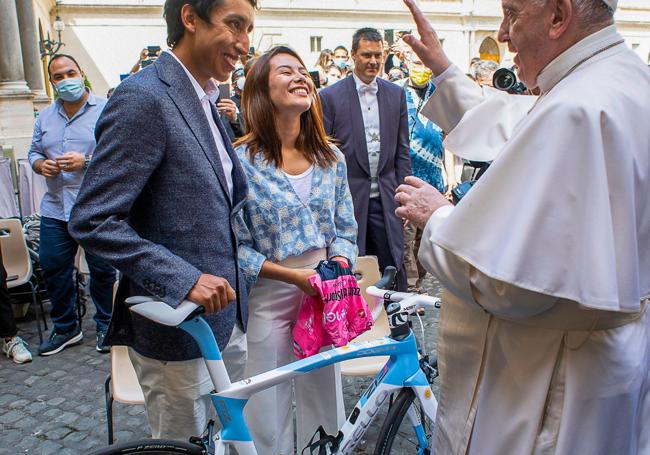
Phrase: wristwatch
x=87 y=161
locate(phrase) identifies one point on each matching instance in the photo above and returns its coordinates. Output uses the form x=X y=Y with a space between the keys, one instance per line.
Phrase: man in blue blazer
x=367 y=117
x=158 y=203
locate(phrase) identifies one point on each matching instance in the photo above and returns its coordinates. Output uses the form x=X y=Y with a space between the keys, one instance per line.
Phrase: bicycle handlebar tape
x=387 y=279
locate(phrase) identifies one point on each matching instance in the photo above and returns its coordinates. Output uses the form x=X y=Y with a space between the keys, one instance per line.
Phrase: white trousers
x=273 y=308
x=176 y=393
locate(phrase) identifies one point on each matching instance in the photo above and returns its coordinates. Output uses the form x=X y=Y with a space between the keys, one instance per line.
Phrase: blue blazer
x=154 y=204
x=343 y=121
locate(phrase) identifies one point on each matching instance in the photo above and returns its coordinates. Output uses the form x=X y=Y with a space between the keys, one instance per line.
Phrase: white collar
x=210 y=90
x=562 y=64
x=359 y=83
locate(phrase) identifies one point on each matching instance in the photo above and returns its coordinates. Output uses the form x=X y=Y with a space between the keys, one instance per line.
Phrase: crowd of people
x=255 y=169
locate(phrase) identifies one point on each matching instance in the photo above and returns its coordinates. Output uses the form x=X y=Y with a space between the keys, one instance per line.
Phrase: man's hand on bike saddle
x=212 y=292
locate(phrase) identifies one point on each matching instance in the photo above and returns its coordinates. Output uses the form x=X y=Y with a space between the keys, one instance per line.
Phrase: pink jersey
x=336 y=315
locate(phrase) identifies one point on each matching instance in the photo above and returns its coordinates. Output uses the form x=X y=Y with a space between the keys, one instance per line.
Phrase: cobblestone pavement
x=55 y=404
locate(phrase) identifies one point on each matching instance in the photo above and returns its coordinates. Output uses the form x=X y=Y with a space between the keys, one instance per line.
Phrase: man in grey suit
x=158 y=203
x=367 y=117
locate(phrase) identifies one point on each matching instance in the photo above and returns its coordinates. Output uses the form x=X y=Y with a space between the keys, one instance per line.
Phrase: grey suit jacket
x=344 y=122
x=154 y=204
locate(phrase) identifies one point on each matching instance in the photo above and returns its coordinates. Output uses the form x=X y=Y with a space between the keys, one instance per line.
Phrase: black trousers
x=8 y=327
x=378 y=244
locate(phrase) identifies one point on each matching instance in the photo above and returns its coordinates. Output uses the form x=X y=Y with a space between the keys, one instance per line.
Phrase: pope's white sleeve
x=455 y=94
x=471 y=285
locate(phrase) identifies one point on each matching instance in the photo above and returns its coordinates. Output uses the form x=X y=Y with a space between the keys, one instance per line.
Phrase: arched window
x=489 y=50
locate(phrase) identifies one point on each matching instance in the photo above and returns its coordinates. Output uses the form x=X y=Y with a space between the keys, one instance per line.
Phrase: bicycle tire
x=151 y=447
x=390 y=429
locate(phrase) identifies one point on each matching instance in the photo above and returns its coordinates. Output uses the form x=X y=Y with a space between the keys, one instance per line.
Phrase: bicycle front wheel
x=397 y=434
x=152 y=447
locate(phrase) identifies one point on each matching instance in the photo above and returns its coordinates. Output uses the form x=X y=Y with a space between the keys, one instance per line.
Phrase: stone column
x=16 y=108
x=32 y=64
x=12 y=77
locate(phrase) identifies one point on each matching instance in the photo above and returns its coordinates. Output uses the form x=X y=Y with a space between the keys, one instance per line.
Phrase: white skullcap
x=611 y=3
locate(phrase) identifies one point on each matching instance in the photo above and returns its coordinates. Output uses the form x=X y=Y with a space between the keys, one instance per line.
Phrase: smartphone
x=315 y=76
x=152 y=51
x=224 y=91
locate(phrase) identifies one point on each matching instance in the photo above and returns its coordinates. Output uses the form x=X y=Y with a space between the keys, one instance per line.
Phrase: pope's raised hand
x=428 y=47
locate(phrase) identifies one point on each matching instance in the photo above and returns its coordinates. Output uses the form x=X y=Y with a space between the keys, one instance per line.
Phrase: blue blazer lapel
x=385 y=125
x=184 y=97
x=356 y=123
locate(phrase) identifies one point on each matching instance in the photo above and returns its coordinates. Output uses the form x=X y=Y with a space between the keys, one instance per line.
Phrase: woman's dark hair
x=259 y=117
x=172 y=15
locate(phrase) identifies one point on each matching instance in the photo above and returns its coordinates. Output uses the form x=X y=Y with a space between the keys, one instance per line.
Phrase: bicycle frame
x=401 y=370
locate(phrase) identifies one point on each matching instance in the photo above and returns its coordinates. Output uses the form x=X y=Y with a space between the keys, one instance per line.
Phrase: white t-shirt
x=302 y=183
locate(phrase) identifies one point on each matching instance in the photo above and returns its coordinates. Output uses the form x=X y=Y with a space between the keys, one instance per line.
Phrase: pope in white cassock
x=544 y=341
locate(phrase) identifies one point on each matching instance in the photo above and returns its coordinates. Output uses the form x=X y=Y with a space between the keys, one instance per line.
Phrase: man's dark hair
x=172 y=15
x=60 y=56
x=367 y=33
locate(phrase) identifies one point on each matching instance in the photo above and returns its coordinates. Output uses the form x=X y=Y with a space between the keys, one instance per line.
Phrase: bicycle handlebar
x=162 y=313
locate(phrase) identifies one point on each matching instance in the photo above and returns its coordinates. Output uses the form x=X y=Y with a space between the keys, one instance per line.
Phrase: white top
x=208 y=95
x=370 y=112
x=564 y=210
x=301 y=183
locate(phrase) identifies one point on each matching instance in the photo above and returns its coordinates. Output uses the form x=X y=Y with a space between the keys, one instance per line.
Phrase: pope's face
x=524 y=30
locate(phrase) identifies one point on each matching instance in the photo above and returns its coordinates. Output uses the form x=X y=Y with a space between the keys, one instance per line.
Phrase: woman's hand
x=301 y=279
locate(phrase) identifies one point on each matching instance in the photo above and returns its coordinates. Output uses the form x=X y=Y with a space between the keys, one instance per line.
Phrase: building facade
x=106 y=37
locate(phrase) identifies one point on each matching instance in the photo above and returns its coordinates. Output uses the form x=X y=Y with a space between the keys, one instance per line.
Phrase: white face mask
x=240 y=83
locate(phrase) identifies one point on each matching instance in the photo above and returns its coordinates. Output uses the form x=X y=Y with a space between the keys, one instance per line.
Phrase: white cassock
x=544 y=344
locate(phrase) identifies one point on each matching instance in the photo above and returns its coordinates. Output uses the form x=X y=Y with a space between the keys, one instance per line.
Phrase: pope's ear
x=562 y=15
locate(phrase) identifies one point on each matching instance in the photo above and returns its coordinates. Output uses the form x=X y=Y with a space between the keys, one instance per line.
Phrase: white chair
x=122 y=383
x=17 y=262
x=367 y=271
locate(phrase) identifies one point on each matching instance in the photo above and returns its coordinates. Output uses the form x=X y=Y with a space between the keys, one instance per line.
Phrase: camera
x=506 y=80
x=152 y=55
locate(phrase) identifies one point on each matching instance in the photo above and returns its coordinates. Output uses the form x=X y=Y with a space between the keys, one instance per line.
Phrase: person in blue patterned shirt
x=299 y=211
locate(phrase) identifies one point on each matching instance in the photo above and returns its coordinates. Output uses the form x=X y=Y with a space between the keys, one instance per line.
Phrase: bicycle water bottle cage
x=322 y=443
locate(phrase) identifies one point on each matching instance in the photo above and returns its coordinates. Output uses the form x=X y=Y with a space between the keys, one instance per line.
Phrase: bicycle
x=406 y=373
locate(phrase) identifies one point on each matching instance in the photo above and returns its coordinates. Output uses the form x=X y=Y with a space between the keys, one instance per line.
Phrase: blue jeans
x=57 y=254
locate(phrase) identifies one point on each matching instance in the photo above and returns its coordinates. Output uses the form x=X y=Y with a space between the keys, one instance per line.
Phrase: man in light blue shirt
x=62 y=145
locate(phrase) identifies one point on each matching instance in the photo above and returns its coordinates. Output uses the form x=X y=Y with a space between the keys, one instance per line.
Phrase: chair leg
x=38 y=309
x=109 y=408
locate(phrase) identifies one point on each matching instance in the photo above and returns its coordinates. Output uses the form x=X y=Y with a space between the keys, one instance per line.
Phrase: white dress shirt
x=209 y=95
x=370 y=112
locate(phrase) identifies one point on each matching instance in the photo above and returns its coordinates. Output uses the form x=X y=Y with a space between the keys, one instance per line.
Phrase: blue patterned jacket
x=275 y=224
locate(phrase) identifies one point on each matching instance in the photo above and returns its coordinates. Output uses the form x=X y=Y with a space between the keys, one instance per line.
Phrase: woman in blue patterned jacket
x=299 y=211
